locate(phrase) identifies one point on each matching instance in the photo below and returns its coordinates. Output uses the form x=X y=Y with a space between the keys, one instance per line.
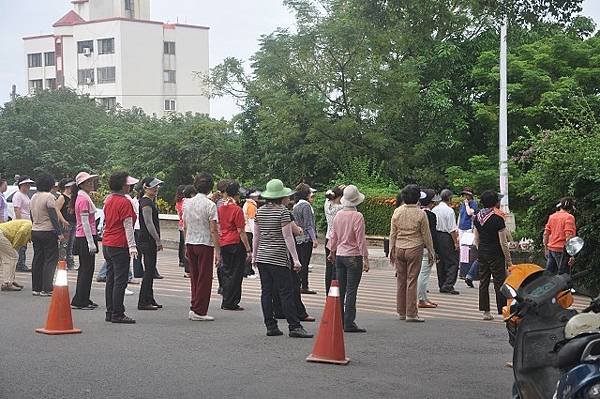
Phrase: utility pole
x=13 y=95
x=503 y=127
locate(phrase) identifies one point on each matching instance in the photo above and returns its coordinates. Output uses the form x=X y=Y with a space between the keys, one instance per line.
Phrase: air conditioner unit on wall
x=87 y=51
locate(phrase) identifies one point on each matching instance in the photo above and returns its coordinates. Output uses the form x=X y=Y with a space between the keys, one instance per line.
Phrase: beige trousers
x=8 y=260
x=408 y=266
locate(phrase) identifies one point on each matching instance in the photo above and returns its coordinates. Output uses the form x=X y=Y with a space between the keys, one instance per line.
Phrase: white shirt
x=331 y=209
x=249 y=221
x=446 y=218
x=198 y=212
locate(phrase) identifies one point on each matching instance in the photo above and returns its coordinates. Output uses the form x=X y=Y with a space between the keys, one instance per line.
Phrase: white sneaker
x=196 y=317
x=487 y=316
x=128 y=292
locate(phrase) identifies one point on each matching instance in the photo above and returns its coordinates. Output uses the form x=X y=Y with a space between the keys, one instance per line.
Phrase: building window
x=50 y=84
x=109 y=102
x=106 y=75
x=128 y=5
x=106 y=46
x=169 y=76
x=85 y=77
x=169 y=105
x=36 y=85
x=49 y=59
x=81 y=46
x=169 y=47
x=34 y=60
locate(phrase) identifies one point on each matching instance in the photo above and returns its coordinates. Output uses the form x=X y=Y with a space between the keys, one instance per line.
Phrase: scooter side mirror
x=574 y=245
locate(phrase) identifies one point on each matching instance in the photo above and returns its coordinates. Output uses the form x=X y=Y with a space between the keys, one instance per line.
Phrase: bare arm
x=214 y=233
x=255 y=241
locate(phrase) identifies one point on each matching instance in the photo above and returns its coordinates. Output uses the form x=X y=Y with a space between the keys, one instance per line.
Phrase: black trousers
x=447 y=267
x=85 y=274
x=117 y=273
x=276 y=280
x=296 y=296
x=233 y=259
x=491 y=267
x=304 y=254
x=329 y=269
x=248 y=271
x=182 y=258
x=45 y=258
x=149 y=253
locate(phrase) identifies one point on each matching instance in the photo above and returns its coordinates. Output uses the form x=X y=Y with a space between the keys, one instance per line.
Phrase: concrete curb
x=317 y=257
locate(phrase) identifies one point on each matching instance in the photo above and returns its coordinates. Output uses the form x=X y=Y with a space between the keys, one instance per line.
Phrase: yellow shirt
x=17 y=232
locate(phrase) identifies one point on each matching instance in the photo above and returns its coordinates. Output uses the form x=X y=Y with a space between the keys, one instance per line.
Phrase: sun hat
x=275 y=190
x=83 y=177
x=149 y=182
x=352 y=197
x=467 y=191
x=131 y=181
x=25 y=180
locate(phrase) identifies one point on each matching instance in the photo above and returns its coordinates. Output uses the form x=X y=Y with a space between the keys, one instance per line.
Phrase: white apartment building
x=110 y=50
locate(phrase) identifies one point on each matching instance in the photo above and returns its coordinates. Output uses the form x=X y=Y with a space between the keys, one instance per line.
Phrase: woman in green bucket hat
x=273 y=240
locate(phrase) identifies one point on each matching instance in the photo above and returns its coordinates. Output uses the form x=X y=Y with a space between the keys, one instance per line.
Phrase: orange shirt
x=560 y=225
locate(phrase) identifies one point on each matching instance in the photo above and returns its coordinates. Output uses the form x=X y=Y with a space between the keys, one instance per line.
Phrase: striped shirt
x=272 y=248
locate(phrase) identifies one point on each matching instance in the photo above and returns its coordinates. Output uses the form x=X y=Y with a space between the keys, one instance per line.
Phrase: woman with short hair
x=118 y=245
x=67 y=217
x=46 y=234
x=409 y=234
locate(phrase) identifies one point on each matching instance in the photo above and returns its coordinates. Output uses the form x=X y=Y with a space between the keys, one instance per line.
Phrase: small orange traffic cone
x=60 y=320
x=329 y=344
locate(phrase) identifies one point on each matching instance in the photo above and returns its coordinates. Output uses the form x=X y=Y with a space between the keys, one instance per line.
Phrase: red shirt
x=117 y=208
x=560 y=225
x=231 y=218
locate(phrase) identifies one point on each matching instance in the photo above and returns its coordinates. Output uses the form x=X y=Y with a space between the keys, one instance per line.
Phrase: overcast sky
x=235 y=26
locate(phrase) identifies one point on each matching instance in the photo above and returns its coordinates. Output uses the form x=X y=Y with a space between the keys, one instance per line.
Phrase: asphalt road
x=164 y=355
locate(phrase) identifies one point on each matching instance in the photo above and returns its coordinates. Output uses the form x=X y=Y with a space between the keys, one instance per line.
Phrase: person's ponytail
x=74 y=193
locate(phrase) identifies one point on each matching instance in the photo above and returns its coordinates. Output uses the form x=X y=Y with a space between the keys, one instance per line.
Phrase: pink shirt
x=348 y=234
x=84 y=204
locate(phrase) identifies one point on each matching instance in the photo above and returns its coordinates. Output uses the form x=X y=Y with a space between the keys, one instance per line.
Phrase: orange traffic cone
x=60 y=320
x=329 y=344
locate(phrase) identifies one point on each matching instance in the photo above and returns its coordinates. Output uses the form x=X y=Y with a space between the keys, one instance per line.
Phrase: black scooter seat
x=569 y=354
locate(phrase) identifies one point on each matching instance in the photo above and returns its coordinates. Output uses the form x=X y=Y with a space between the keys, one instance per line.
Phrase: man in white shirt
x=448 y=244
x=202 y=245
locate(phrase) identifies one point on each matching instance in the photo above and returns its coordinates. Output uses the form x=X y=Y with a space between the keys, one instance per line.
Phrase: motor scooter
x=538 y=314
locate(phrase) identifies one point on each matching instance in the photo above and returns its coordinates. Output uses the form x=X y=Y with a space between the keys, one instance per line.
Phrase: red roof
x=70 y=18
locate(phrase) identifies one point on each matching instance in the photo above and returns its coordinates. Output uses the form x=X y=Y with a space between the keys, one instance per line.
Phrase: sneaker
x=274 y=332
x=401 y=317
x=196 y=317
x=46 y=293
x=129 y=292
x=236 y=308
x=300 y=332
x=416 y=319
x=18 y=285
x=252 y=277
x=134 y=282
x=469 y=282
x=94 y=305
x=9 y=287
x=23 y=270
x=122 y=320
x=487 y=316
x=35 y=293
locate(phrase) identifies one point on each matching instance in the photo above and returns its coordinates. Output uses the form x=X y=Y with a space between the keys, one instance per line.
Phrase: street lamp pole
x=503 y=131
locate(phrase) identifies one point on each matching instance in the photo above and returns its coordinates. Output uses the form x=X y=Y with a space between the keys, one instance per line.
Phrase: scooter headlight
x=592 y=392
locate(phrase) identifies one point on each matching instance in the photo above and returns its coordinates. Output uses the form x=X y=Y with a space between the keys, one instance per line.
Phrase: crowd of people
x=273 y=233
